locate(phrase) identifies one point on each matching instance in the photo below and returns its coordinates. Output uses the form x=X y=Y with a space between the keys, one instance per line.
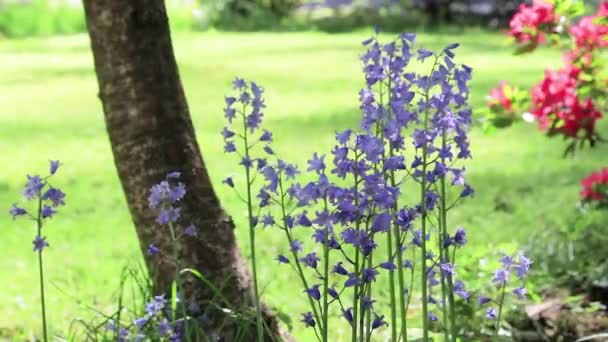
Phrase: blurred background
x=306 y=55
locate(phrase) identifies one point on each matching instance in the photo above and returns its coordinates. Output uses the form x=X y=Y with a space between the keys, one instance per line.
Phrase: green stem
x=325 y=312
x=502 y=299
x=258 y=311
x=178 y=281
x=295 y=256
x=446 y=252
x=41 y=271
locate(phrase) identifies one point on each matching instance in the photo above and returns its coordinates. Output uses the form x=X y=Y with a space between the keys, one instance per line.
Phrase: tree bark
x=151 y=134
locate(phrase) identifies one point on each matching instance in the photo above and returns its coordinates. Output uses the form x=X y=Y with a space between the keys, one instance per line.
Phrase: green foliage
x=573 y=252
x=40 y=18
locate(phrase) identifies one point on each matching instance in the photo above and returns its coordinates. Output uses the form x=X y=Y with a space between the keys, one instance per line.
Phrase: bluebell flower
x=460 y=291
x=482 y=300
x=523 y=266
x=460 y=237
x=432 y=317
x=164 y=328
x=308 y=320
x=520 y=292
x=332 y=292
x=47 y=211
x=296 y=246
x=39 y=243
x=314 y=292
x=348 y=314
x=316 y=164
x=352 y=280
x=388 y=265
x=168 y=215
x=369 y=274
x=54 y=195
x=282 y=259
x=447 y=269
x=17 y=211
x=140 y=322
x=153 y=249
x=268 y=220
x=491 y=313
x=228 y=181
x=310 y=260
x=501 y=276
x=381 y=223
x=191 y=230
x=266 y=136
x=339 y=269
x=33 y=187
x=54 y=166
x=378 y=322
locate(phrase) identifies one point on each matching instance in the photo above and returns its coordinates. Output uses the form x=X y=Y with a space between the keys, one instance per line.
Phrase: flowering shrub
x=359 y=225
x=595 y=187
x=569 y=101
x=48 y=198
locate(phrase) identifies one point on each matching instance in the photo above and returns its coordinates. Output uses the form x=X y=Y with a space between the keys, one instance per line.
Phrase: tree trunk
x=151 y=134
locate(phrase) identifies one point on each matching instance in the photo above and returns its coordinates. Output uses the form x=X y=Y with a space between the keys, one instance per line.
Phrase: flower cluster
x=164 y=198
x=558 y=108
x=567 y=101
x=531 y=22
x=413 y=134
x=512 y=269
x=244 y=113
x=49 y=198
x=595 y=187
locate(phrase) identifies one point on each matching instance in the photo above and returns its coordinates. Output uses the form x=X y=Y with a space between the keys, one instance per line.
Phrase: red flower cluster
x=557 y=107
x=499 y=98
x=530 y=22
x=590 y=32
x=595 y=186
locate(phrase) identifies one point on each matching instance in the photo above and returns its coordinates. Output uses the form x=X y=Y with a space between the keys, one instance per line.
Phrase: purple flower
x=267 y=220
x=314 y=292
x=339 y=269
x=228 y=181
x=432 y=317
x=447 y=269
x=310 y=260
x=369 y=274
x=460 y=237
x=191 y=230
x=54 y=166
x=378 y=322
x=153 y=250
x=482 y=300
x=424 y=54
x=460 y=291
x=348 y=314
x=352 y=280
x=308 y=320
x=229 y=147
x=164 y=328
x=520 y=292
x=332 y=292
x=16 y=211
x=381 y=223
x=55 y=195
x=523 y=266
x=39 y=243
x=282 y=259
x=47 y=212
x=140 y=322
x=316 y=164
x=501 y=276
x=156 y=305
x=32 y=187
x=266 y=136
x=388 y=265
x=491 y=313
x=227 y=134
x=239 y=83
x=296 y=246
x=168 y=215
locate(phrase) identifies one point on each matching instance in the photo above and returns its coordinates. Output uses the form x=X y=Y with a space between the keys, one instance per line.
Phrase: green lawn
x=49 y=110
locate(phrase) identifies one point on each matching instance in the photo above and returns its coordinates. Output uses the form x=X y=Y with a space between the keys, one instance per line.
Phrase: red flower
x=530 y=22
x=595 y=186
x=588 y=34
x=557 y=107
x=499 y=98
